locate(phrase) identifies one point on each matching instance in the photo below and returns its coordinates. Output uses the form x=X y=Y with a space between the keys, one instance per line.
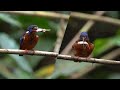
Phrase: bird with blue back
x=83 y=47
x=29 y=39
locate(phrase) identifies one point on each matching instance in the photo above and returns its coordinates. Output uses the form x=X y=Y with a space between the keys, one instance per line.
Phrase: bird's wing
x=22 y=39
x=91 y=47
x=74 y=46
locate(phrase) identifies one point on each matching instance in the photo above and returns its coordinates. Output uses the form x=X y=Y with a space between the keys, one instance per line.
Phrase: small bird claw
x=33 y=51
x=77 y=61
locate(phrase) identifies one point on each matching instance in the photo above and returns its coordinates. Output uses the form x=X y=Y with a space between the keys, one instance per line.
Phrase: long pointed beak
x=42 y=30
x=39 y=30
x=83 y=39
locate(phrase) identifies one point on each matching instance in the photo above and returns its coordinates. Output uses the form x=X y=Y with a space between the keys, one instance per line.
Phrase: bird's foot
x=93 y=62
x=88 y=58
x=33 y=52
x=77 y=60
x=26 y=51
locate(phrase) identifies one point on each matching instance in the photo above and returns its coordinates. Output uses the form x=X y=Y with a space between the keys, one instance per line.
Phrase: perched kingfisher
x=83 y=46
x=29 y=39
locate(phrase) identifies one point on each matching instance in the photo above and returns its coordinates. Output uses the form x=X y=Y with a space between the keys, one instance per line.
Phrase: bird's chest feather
x=30 y=41
x=82 y=48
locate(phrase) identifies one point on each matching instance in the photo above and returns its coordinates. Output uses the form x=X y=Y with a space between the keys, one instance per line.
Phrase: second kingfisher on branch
x=29 y=39
x=83 y=47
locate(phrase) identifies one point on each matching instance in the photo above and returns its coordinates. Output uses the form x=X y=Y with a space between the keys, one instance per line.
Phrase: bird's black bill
x=83 y=39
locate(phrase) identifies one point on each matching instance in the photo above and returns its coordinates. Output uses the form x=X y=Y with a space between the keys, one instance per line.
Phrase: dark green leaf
x=9 y=43
x=9 y=19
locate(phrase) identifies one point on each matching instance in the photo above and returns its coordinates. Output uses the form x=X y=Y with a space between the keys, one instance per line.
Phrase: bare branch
x=40 y=14
x=96 y=18
x=28 y=52
x=60 y=35
x=58 y=56
x=66 y=17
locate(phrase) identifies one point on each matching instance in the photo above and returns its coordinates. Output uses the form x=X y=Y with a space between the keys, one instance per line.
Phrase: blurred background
x=12 y=26
x=105 y=35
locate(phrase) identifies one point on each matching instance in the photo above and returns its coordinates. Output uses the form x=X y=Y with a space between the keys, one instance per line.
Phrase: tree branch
x=58 y=56
x=40 y=14
x=66 y=17
x=96 y=18
x=60 y=35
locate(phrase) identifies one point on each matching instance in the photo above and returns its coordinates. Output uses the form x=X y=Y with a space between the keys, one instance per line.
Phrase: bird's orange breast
x=29 y=42
x=83 y=50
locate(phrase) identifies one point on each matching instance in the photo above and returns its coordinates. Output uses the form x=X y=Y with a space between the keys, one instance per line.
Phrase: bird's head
x=84 y=36
x=34 y=28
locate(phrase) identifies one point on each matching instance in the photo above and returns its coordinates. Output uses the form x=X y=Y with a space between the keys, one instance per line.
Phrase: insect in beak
x=83 y=39
x=39 y=30
x=42 y=30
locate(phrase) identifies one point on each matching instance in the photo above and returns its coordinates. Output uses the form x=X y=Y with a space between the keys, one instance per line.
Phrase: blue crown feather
x=31 y=27
x=84 y=34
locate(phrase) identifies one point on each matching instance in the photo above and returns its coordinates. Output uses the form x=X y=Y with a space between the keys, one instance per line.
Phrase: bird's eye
x=35 y=28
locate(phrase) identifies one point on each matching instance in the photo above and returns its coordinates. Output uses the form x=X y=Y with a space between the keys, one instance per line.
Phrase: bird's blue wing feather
x=21 y=39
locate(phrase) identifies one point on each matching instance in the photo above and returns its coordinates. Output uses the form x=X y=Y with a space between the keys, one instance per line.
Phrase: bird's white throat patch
x=81 y=42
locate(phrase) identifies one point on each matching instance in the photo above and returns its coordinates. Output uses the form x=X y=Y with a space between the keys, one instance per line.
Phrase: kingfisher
x=29 y=39
x=83 y=47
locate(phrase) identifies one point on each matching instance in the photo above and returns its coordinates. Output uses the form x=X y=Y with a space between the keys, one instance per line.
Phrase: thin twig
x=58 y=56
x=96 y=18
x=40 y=14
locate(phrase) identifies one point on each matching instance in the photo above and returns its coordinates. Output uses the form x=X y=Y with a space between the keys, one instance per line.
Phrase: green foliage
x=103 y=44
x=9 y=19
x=67 y=68
x=14 y=66
x=9 y=43
x=114 y=14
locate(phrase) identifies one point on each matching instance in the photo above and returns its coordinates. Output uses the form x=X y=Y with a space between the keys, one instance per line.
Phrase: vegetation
x=12 y=26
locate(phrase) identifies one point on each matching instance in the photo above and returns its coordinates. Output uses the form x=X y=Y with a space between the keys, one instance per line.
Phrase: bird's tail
x=20 y=55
